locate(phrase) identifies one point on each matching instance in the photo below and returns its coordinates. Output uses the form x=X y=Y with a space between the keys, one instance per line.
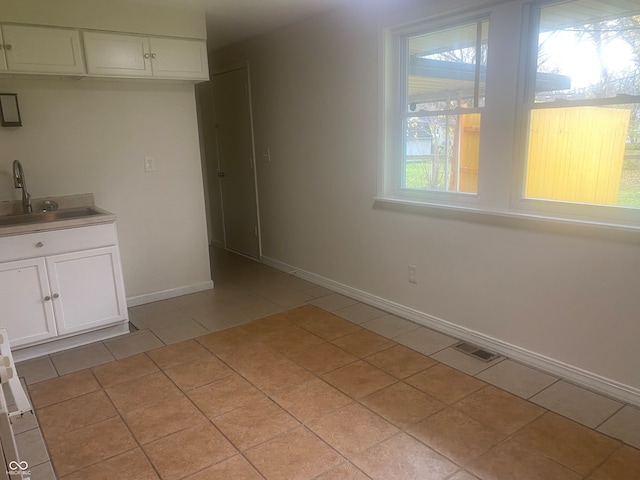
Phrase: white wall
x=92 y=136
x=566 y=295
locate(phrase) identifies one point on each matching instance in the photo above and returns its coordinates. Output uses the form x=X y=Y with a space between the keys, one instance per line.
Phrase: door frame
x=219 y=71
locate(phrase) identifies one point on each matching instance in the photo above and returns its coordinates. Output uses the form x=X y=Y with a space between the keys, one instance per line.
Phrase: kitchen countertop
x=64 y=203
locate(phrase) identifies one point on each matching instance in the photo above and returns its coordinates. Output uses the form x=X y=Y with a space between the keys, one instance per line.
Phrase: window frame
x=590 y=213
x=397 y=56
x=502 y=168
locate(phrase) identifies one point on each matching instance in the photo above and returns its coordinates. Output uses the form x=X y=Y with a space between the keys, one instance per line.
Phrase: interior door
x=3 y=59
x=234 y=136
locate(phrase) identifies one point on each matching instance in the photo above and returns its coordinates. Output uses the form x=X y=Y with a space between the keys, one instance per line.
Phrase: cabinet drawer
x=52 y=242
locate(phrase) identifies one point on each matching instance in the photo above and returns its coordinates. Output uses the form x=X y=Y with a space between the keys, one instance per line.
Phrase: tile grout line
x=606 y=459
x=622 y=406
x=140 y=446
x=595 y=428
x=266 y=395
x=358 y=401
x=511 y=436
x=401 y=430
x=39 y=429
x=353 y=401
x=53 y=466
x=210 y=421
x=528 y=398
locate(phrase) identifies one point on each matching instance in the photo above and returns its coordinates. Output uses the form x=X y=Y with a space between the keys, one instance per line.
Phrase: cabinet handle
x=8 y=46
x=153 y=55
x=146 y=55
x=47 y=298
x=55 y=295
x=39 y=245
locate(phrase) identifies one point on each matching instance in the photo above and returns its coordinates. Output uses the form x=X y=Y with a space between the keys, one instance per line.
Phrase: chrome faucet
x=19 y=182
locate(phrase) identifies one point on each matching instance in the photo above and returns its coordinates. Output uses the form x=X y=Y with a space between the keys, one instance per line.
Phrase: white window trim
x=595 y=214
x=503 y=144
x=392 y=132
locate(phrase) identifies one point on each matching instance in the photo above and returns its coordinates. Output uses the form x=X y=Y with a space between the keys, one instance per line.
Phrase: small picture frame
x=9 y=110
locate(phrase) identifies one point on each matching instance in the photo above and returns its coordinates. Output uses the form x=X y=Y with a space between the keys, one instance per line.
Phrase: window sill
x=509 y=218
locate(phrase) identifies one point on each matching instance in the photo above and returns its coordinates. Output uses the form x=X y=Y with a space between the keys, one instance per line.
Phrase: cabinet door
x=3 y=60
x=26 y=309
x=117 y=55
x=42 y=49
x=179 y=58
x=87 y=289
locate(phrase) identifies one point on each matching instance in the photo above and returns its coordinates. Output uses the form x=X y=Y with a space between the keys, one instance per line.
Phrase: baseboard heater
x=13 y=404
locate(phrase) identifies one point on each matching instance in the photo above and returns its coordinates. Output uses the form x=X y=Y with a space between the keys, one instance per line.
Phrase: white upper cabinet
x=59 y=51
x=30 y=49
x=117 y=55
x=179 y=58
x=137 y=56
x=3 y=59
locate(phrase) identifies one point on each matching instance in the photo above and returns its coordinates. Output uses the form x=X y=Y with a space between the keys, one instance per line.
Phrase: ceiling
x=230 y=21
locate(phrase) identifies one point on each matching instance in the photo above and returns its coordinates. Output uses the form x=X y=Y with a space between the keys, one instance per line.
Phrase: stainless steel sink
x=46 y=217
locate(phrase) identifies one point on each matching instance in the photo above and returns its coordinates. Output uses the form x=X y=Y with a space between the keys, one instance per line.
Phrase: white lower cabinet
x=24 y=312
x=62 y=294
x=85 y=290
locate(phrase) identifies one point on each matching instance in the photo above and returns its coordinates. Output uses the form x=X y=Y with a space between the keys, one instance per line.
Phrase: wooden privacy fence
x=469 y=134
x=575 y=154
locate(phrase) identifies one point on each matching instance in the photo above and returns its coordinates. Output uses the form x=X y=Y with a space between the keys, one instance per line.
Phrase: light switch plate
x=149 y=164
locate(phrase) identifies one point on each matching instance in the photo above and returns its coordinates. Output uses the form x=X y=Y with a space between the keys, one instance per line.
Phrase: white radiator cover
x=13 y=466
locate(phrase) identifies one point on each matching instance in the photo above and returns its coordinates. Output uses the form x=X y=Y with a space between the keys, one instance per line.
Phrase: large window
x=520 y=108
x=584 y=119
x=444 y=82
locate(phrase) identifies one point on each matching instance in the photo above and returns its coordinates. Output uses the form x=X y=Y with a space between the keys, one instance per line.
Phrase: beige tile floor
x=270 y=376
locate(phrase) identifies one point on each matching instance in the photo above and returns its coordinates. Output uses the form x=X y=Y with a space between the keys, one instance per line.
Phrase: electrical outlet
x=413 y=274
x=149 y=164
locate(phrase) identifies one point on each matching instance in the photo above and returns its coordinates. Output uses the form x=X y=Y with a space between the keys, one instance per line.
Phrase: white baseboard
x=26 y=353
x=546 y=364
x=171 y=293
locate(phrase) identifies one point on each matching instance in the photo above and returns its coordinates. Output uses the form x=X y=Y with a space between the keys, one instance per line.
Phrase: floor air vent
x=475 y=352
